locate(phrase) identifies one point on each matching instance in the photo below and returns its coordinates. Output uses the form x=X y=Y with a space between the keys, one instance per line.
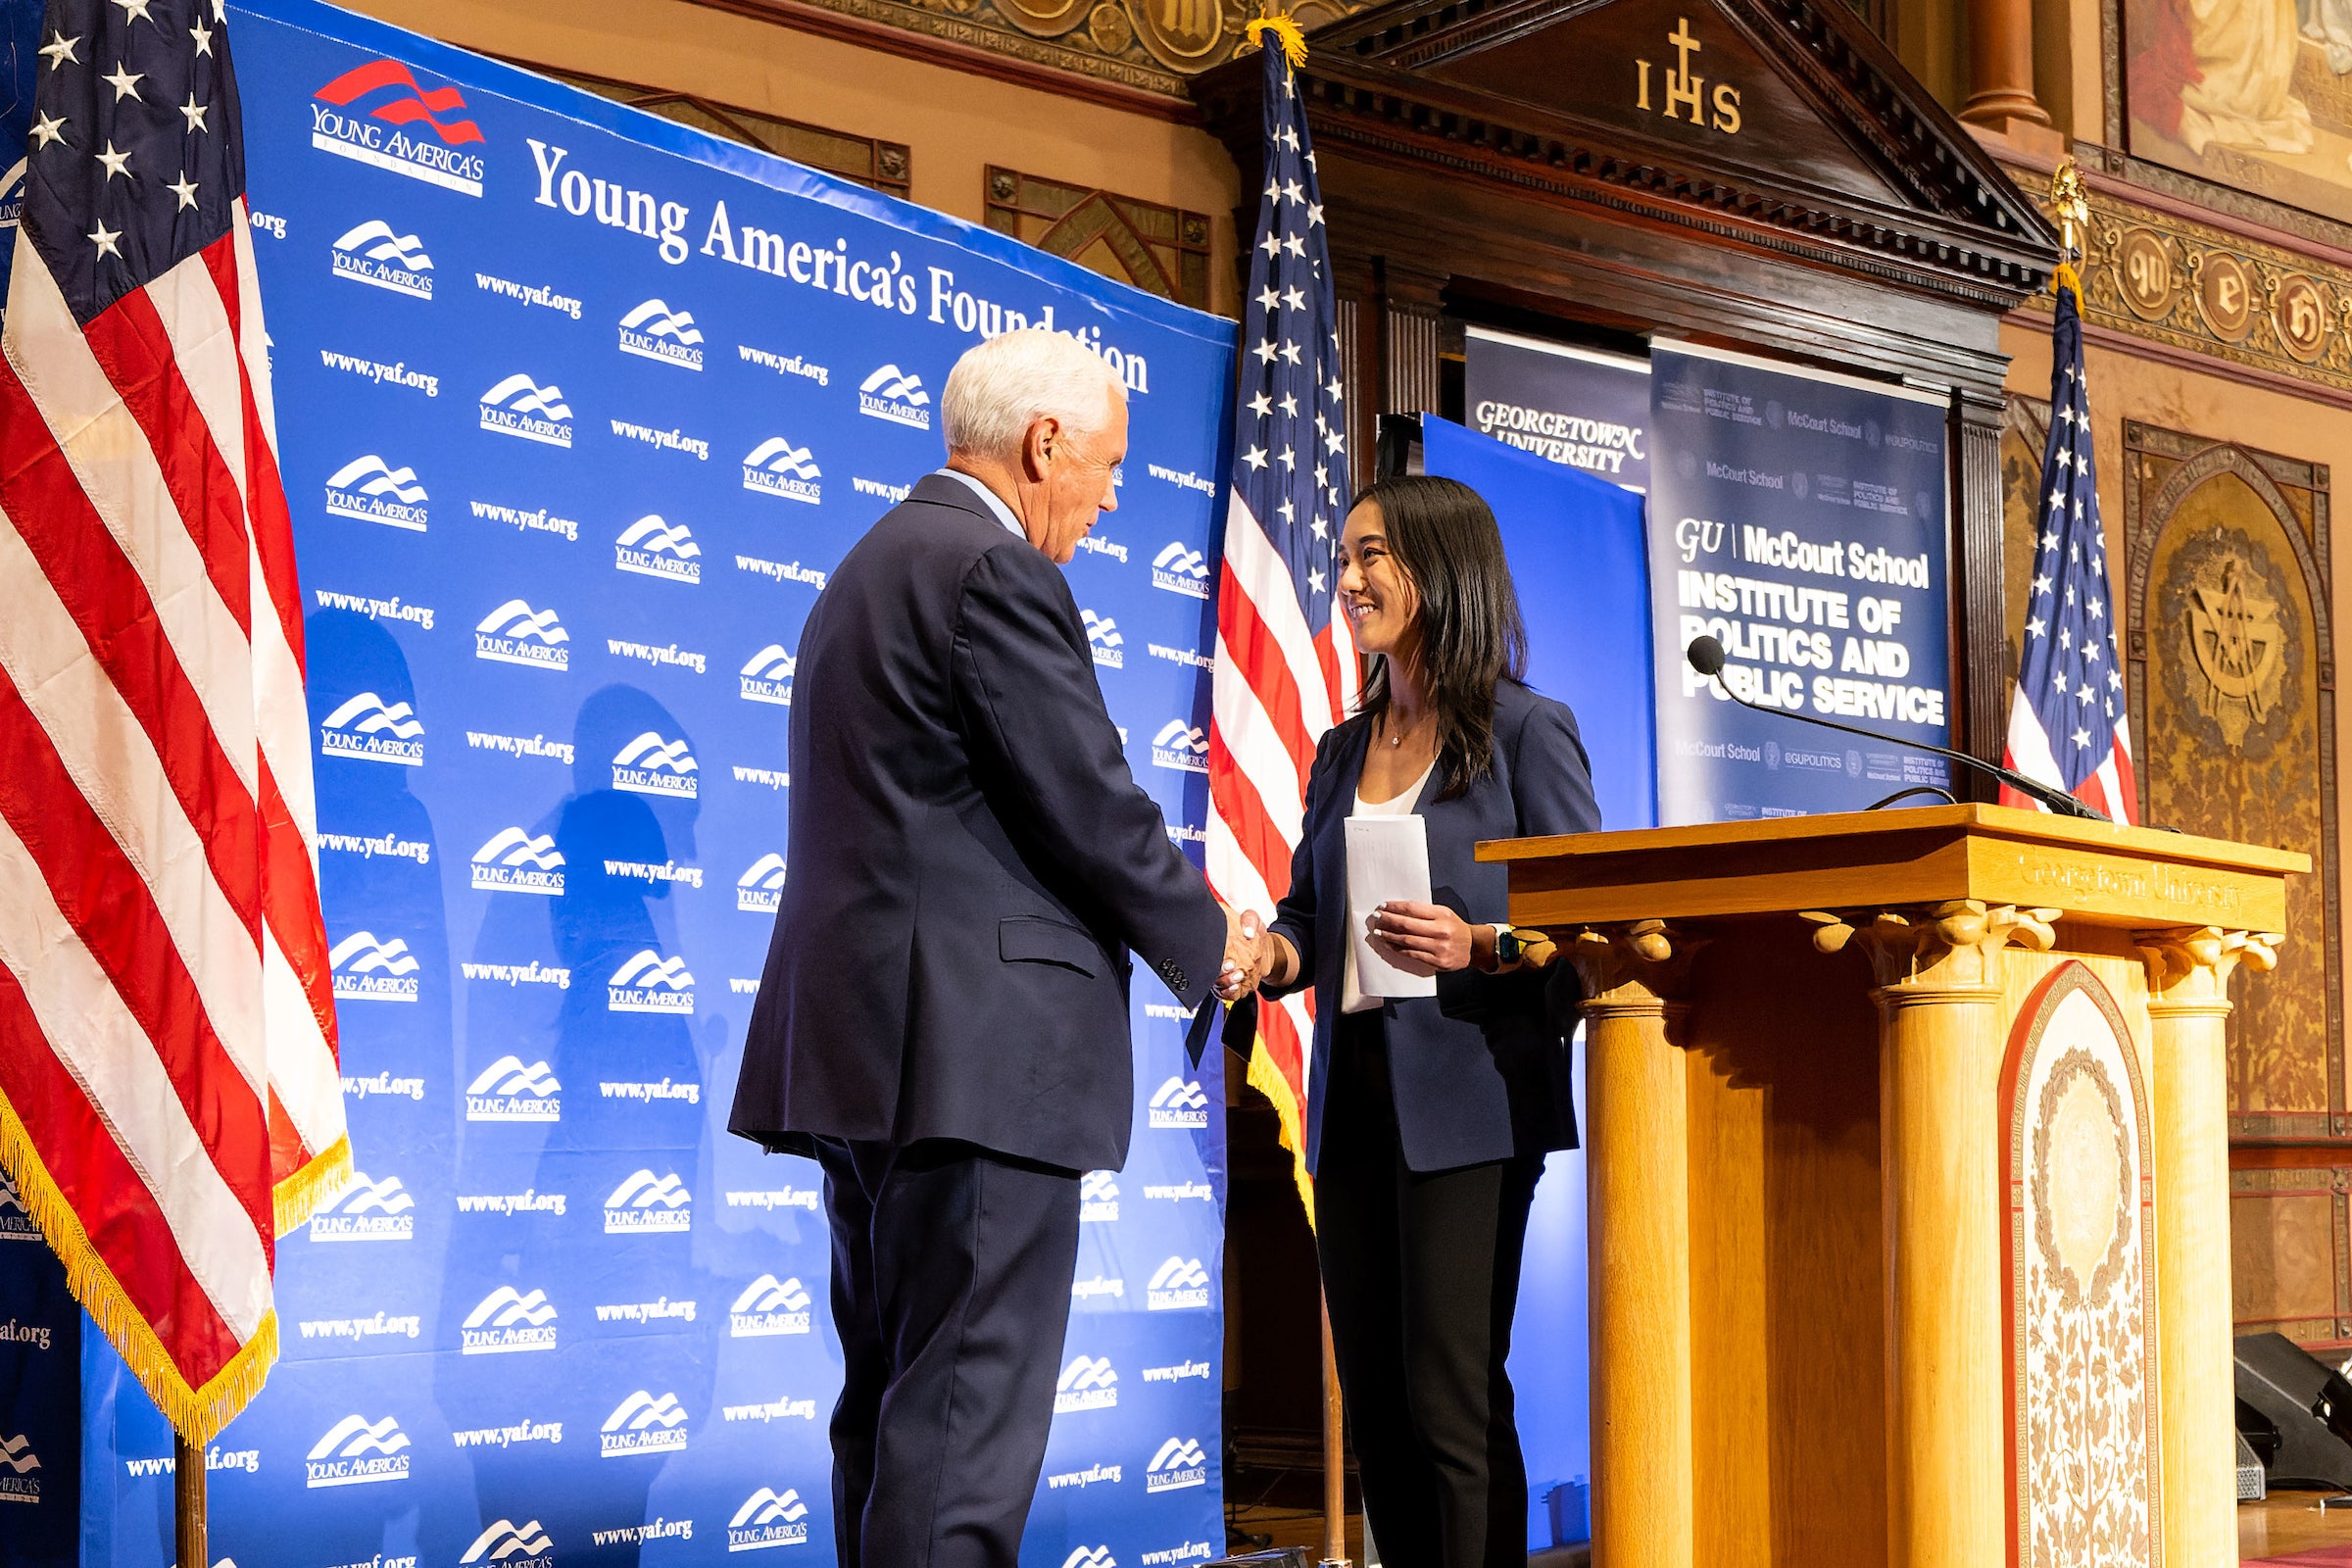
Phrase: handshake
x=1251 y=953
x=1417 y=938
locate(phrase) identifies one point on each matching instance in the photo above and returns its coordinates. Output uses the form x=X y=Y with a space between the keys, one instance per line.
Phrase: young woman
x=1429 y=1117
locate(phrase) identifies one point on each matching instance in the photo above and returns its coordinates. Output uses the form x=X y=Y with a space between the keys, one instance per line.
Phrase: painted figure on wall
x=2251 y=93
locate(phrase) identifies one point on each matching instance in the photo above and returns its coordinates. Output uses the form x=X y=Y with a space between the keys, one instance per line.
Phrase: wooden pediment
x=1778 y=124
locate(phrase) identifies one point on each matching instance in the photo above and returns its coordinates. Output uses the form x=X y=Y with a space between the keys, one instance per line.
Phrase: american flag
x=1286 y=664
x=169 y=1101
x=2066 y=725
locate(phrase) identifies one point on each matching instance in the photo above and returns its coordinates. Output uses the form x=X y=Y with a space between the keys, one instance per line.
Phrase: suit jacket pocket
x=1028 y=941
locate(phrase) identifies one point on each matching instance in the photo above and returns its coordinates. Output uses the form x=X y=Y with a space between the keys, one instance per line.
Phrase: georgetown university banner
x=577 y=410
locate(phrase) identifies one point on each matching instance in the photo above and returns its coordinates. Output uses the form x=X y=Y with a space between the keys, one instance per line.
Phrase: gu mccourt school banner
x=579 y=410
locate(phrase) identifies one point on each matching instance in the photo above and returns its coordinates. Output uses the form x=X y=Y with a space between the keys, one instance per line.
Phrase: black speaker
x=2307 y=1404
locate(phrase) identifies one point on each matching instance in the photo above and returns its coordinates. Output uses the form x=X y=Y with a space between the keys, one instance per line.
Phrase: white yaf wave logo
x=508 y=1076
x=520 y=406
x=895 y=395
x=507 y=1307
x=767 y=1294
x=766 y=1507
x=506 y=1540
x=367 y=728
x=655 y=318
x=376 y=254
x=646 y=1202
x=777 y=467
x=518 y=619
x=514 y=847
x=652 y=765
x=368 y=968
x=356 y=1434
x=761 y=888
x=655 y=332
x=370 y=476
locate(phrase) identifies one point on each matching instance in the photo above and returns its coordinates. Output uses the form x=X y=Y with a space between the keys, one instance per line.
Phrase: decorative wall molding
x=870 y=160
x=1133 y=54
x=2253 y=304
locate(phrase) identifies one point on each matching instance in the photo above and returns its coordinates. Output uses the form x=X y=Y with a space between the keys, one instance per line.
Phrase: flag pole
x=187 y=1504
x=1335 y=1455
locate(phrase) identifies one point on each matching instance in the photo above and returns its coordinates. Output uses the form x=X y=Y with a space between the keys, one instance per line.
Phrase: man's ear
x=1042 y=436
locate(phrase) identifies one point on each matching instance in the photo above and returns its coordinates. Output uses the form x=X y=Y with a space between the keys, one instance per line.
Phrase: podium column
x=2188 y=1009
x=1637 y=1164
x=1940 y=1038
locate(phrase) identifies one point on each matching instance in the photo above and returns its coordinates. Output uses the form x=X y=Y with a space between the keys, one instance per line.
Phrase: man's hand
x=1247 y=954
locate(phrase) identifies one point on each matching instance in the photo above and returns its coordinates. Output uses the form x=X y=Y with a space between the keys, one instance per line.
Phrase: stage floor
x=2285 y=1527
x=2288 y=1527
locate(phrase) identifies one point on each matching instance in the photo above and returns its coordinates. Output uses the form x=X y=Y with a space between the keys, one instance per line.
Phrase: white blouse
x=1352 y=999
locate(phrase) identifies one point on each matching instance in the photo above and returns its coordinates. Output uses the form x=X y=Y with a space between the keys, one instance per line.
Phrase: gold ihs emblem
x=2239 y=644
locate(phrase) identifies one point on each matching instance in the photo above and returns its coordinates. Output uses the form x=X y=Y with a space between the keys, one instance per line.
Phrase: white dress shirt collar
x=996 y=502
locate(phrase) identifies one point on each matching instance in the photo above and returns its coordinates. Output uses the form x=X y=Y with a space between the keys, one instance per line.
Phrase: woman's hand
x=1421 y=938
x=1245 y=955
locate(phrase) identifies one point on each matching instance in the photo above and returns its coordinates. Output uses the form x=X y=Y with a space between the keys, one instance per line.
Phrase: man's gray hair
x=1002 y=386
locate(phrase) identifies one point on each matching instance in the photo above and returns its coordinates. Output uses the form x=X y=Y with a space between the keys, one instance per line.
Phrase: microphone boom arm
x=2058 y=801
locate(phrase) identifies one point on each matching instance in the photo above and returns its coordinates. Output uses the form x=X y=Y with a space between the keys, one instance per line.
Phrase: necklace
x=1397 y=736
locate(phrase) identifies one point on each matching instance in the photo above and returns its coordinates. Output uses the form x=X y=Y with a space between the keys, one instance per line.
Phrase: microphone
x=1706 y=656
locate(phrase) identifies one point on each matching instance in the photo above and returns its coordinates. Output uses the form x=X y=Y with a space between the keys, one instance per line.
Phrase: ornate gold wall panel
x=2231 y=672
x=2288 y=1265
x=1161 y=250
x=2196 y=287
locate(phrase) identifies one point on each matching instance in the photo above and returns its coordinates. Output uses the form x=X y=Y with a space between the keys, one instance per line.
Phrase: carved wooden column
x=1409 y=361
x=1638 y=1216
x=1941 y=1039
x=1985 y=674
x=2189 y=1011
x=2000 y=65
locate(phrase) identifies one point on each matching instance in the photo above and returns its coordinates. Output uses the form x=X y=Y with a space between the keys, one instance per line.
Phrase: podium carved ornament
x=1637 y=966
x=1958 y=944
x=2189 y=966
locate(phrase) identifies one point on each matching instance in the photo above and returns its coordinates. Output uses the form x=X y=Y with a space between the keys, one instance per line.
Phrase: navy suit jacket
x=970 y=862
x=1479 y=1070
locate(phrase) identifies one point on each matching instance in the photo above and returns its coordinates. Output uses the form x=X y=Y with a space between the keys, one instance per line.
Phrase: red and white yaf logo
x=381 y=115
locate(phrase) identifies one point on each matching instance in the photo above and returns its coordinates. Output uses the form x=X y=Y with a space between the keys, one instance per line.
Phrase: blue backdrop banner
x=1800 y=520
x=577 y=409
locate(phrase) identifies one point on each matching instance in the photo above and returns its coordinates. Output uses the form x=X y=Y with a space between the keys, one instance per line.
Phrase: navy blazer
x=971 y=860
x=1480 y=1071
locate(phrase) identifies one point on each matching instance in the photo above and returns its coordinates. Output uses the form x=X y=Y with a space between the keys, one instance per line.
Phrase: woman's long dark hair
x=1444 y=536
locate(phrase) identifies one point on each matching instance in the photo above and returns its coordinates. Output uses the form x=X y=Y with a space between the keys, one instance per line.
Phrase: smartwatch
x=1509 y=946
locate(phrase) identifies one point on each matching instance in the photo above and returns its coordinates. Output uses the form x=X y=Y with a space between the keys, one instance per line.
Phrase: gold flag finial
x=2069 y=204
x=1285 y=33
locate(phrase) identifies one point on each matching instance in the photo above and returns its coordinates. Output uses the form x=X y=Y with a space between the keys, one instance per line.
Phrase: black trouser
x=951 y=1292
x=1422 y=1274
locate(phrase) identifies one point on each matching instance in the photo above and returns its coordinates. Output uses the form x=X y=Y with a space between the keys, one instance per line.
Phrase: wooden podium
x=1909 y=1184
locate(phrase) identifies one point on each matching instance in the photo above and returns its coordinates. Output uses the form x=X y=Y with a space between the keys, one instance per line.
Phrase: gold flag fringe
x=2067 y=277
x=1267 y=1080
x=312 y=1188
x=1285 y=33
x=197 y=1414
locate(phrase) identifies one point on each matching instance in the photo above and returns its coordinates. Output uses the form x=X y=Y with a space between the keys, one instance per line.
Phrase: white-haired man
x=943 y=1018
